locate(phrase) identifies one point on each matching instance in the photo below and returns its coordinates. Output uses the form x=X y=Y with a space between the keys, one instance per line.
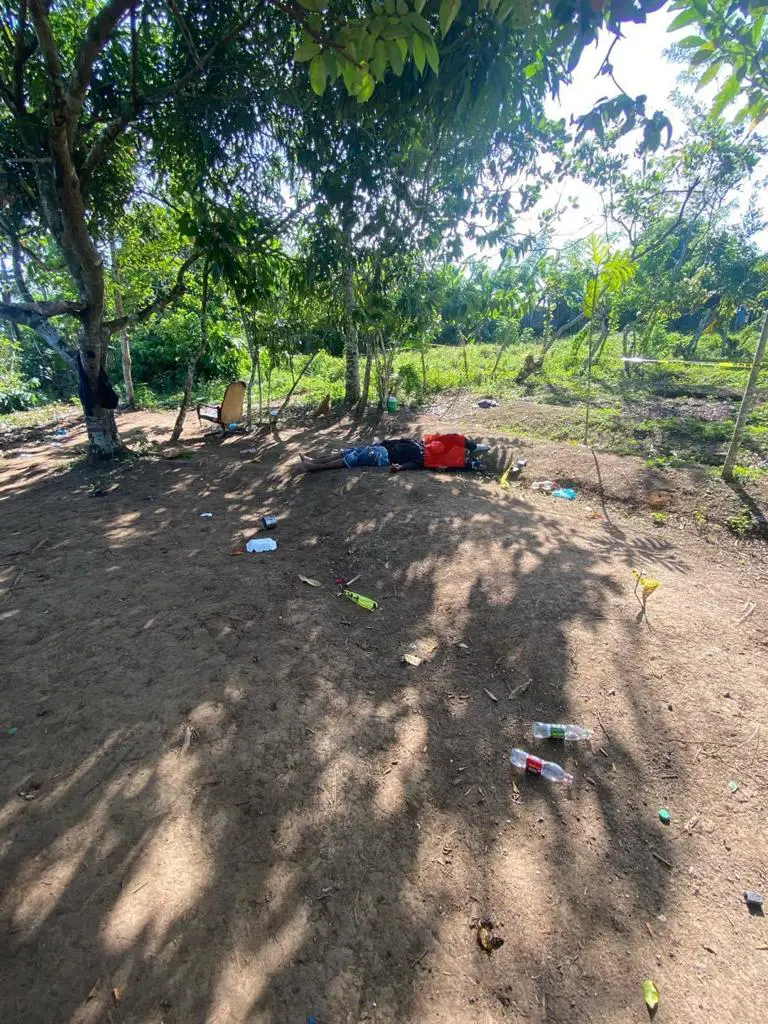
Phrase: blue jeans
x=366 y=455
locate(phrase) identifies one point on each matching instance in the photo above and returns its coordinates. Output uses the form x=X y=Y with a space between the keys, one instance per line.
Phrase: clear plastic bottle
x=535 y=765
x=550 y=731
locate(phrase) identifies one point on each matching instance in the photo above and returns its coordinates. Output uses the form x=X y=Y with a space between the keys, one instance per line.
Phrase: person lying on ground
x=436 y=451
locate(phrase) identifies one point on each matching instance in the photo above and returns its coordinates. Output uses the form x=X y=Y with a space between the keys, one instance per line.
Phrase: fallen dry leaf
x=117 y=993
x=491 y=695
x=310 y=581
x=518 y=690
x=93 y=991
x=411 y=659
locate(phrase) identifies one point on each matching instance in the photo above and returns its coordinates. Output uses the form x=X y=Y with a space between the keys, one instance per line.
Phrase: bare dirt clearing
x=228 y=799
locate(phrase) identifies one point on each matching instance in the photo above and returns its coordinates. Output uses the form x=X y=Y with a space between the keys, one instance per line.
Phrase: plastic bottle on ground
x=261 y=544
x=551 y=731
x=535 y=765
x=544 y=485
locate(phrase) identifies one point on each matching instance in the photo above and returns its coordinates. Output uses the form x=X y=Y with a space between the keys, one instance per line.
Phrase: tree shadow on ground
x=246 y=808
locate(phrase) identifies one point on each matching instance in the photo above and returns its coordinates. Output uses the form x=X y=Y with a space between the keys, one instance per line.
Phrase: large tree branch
x=138 y=103
x=104 y=140
x=158 y=303
x=38 y=11
x=97 y=35
x=21 y=313
x=45 y=308
x=18 y=271
x=21 y=53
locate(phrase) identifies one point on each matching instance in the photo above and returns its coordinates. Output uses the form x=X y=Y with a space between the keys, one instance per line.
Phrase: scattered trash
x=565 y=492
x=60 y=432
x=247 y=451
x=648 y=583
x=23 y=455
x=463 y=646
x=493 y=696
x=536 y=766
x=486 y=940
x=269 y=522
x=650 y=995
x=514 y=471
x=117 y=993
x=392 y=404
x=310 y=581
x=206 y=515
x=664 y=816
x=364 y=602
x=190 y=733
x=487 y=403
x=261 y=544
x=753 y=899
x=424 y=648
x=233 y=426
x=544 y=485
x=411 y=659
x=749 y=608
x=549 y=731
x=312 y=1020
x=30 y=793
x=734 y=787
x=176 y=453
x=8 y=730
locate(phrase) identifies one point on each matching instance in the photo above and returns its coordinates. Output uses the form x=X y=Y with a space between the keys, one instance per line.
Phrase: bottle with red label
x=537 y=766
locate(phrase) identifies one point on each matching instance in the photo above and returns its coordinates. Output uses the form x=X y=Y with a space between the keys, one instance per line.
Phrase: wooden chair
x=231 y=408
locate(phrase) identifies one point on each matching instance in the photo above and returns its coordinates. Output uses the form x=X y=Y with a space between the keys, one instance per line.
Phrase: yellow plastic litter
x=504 y=478
x=648 y=583
x=650 y=994
x=365 y=602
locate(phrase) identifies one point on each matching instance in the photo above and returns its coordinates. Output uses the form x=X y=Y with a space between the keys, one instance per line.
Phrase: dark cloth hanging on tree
x=103 y=395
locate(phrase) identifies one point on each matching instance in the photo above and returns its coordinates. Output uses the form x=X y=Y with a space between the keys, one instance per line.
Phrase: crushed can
x=270 y=522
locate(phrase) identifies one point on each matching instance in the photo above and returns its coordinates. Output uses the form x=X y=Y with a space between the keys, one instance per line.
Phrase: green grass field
x=625 y=415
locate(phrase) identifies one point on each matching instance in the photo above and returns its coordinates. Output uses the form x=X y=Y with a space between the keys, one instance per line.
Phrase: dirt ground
x=227 y=799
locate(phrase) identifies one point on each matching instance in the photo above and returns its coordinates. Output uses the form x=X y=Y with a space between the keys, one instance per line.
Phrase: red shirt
x=444 y=451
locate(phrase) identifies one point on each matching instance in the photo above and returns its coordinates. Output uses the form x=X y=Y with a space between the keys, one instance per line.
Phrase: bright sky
x=640 y=68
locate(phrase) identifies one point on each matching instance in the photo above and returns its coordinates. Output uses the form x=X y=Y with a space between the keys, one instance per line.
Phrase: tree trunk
x=499 y=354
x=125 y=345
x=189 y=380
x=746 y=402
x=362 y=405
x=424 y=369
x=463 y=341
x=103 y=435
x=706 y=319
x=254 y=352
x=589 y=383
x=351 y=352
x=288 y=397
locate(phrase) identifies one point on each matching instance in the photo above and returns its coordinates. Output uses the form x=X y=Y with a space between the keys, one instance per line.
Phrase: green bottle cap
x=664 y=816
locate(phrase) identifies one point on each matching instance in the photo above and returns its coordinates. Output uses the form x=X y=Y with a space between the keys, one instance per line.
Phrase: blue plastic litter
x=565 y=492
